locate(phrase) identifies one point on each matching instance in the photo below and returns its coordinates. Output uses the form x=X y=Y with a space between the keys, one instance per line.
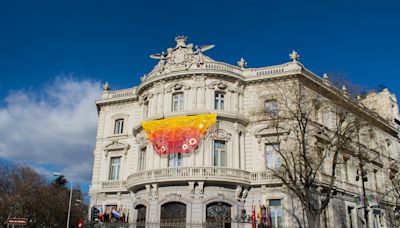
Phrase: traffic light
x=94 y=217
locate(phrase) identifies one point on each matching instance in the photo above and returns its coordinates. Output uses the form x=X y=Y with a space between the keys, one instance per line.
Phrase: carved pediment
x=116 y=146
x=177 y=87
x=182 y=57
x=218 y=85
x=221 y=134
x=268 y=131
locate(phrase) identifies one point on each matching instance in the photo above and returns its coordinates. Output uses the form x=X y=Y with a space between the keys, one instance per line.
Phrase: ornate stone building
x=228 y=171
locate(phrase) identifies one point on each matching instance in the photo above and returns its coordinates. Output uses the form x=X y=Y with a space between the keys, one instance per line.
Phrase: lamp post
x=361 y=172
x=70 y=197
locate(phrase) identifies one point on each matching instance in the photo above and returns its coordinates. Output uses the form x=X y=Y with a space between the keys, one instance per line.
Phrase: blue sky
x=54 y=55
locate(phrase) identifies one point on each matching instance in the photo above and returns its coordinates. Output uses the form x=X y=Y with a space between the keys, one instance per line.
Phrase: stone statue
x=242 y=63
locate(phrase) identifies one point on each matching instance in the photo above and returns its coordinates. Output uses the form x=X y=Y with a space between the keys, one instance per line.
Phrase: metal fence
x=176 y=225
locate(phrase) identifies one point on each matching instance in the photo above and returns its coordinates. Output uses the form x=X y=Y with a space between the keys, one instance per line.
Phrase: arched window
x=141 y=213
x=219 y=213
x=173 y=212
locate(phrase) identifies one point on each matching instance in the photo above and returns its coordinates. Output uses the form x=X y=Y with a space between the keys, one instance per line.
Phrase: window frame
x=277 y=160
x=177 y=160
x=111 y=175
x=180 y=102
x=278 y=209
x=221 y=153
x=219 y=100
x=142 y=159
x=119 y=125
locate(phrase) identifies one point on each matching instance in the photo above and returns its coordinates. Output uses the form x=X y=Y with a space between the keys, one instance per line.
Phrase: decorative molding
x=221 y=85
x=145 y=97
x=221 y=134
x=200 y=189
x=177 y=86
x=116 y=146
x=191 y=189
x=119 y=116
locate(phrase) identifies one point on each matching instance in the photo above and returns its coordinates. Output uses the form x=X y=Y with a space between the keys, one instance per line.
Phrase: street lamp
x=70 y=196
x=363 y=175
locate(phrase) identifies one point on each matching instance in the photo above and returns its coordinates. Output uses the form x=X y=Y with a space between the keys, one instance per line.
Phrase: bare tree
x=27 y=194
x=309 y=132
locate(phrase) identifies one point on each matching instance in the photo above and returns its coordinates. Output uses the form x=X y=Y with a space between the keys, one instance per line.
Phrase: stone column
x=235 y=156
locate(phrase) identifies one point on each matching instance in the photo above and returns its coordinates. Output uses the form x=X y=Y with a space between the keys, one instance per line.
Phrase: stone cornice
x=350 y=101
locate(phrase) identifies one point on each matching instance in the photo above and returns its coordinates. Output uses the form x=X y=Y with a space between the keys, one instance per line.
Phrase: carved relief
x=200 y=189
x=221 y=134
x=182 y=57
x=177 y=87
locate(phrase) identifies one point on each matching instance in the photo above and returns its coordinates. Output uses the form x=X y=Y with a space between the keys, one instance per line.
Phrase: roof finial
x=294 y=56
x=106 y=87
x=325 y=78
x=242 y=63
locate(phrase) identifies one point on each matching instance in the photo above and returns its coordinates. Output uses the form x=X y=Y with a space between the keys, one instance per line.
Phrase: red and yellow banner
x=180 y=134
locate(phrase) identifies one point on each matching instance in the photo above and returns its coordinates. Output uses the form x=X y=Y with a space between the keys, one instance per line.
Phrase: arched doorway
x=141 y=213
x=219 y=214
x=173 y=212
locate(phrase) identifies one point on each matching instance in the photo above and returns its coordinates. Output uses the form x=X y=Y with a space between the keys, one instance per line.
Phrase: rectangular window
x=272 y=156
x=115 y=165
x=175 y=160
x=271 y=108
x=219 y=100
x=142 y=159
x=275 y=210
x=177 y=102
x=119 y=126
x=219 y=153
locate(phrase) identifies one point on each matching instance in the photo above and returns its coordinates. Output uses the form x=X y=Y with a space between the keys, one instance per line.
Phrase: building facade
x=227 y=171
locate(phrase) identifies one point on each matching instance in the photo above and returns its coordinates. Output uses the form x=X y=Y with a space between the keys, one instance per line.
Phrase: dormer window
x=177 y=102
x=119 y=126
x=219 y=100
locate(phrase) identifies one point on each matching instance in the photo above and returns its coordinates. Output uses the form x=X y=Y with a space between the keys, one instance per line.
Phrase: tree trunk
x=313 y=218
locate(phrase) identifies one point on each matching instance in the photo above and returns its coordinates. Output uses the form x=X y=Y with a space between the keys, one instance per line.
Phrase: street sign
x=17 y=221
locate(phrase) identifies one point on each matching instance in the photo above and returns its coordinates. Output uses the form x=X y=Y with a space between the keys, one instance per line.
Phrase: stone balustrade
x=122 y=93
x=113 y=185
x=210 y=174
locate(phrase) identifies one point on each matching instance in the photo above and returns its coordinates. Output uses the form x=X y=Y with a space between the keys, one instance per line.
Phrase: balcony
x=206 y=174
x=113 y=186
x=260 y=178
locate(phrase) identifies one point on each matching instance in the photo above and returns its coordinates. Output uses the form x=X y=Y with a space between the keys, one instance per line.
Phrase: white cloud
x=52 y=127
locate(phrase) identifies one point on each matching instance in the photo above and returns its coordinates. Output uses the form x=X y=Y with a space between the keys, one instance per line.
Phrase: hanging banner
x=180 y=134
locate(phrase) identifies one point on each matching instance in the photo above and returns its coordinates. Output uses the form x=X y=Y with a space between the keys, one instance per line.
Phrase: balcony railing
x=183 y=174
x=113 y=185
x=259 y=178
